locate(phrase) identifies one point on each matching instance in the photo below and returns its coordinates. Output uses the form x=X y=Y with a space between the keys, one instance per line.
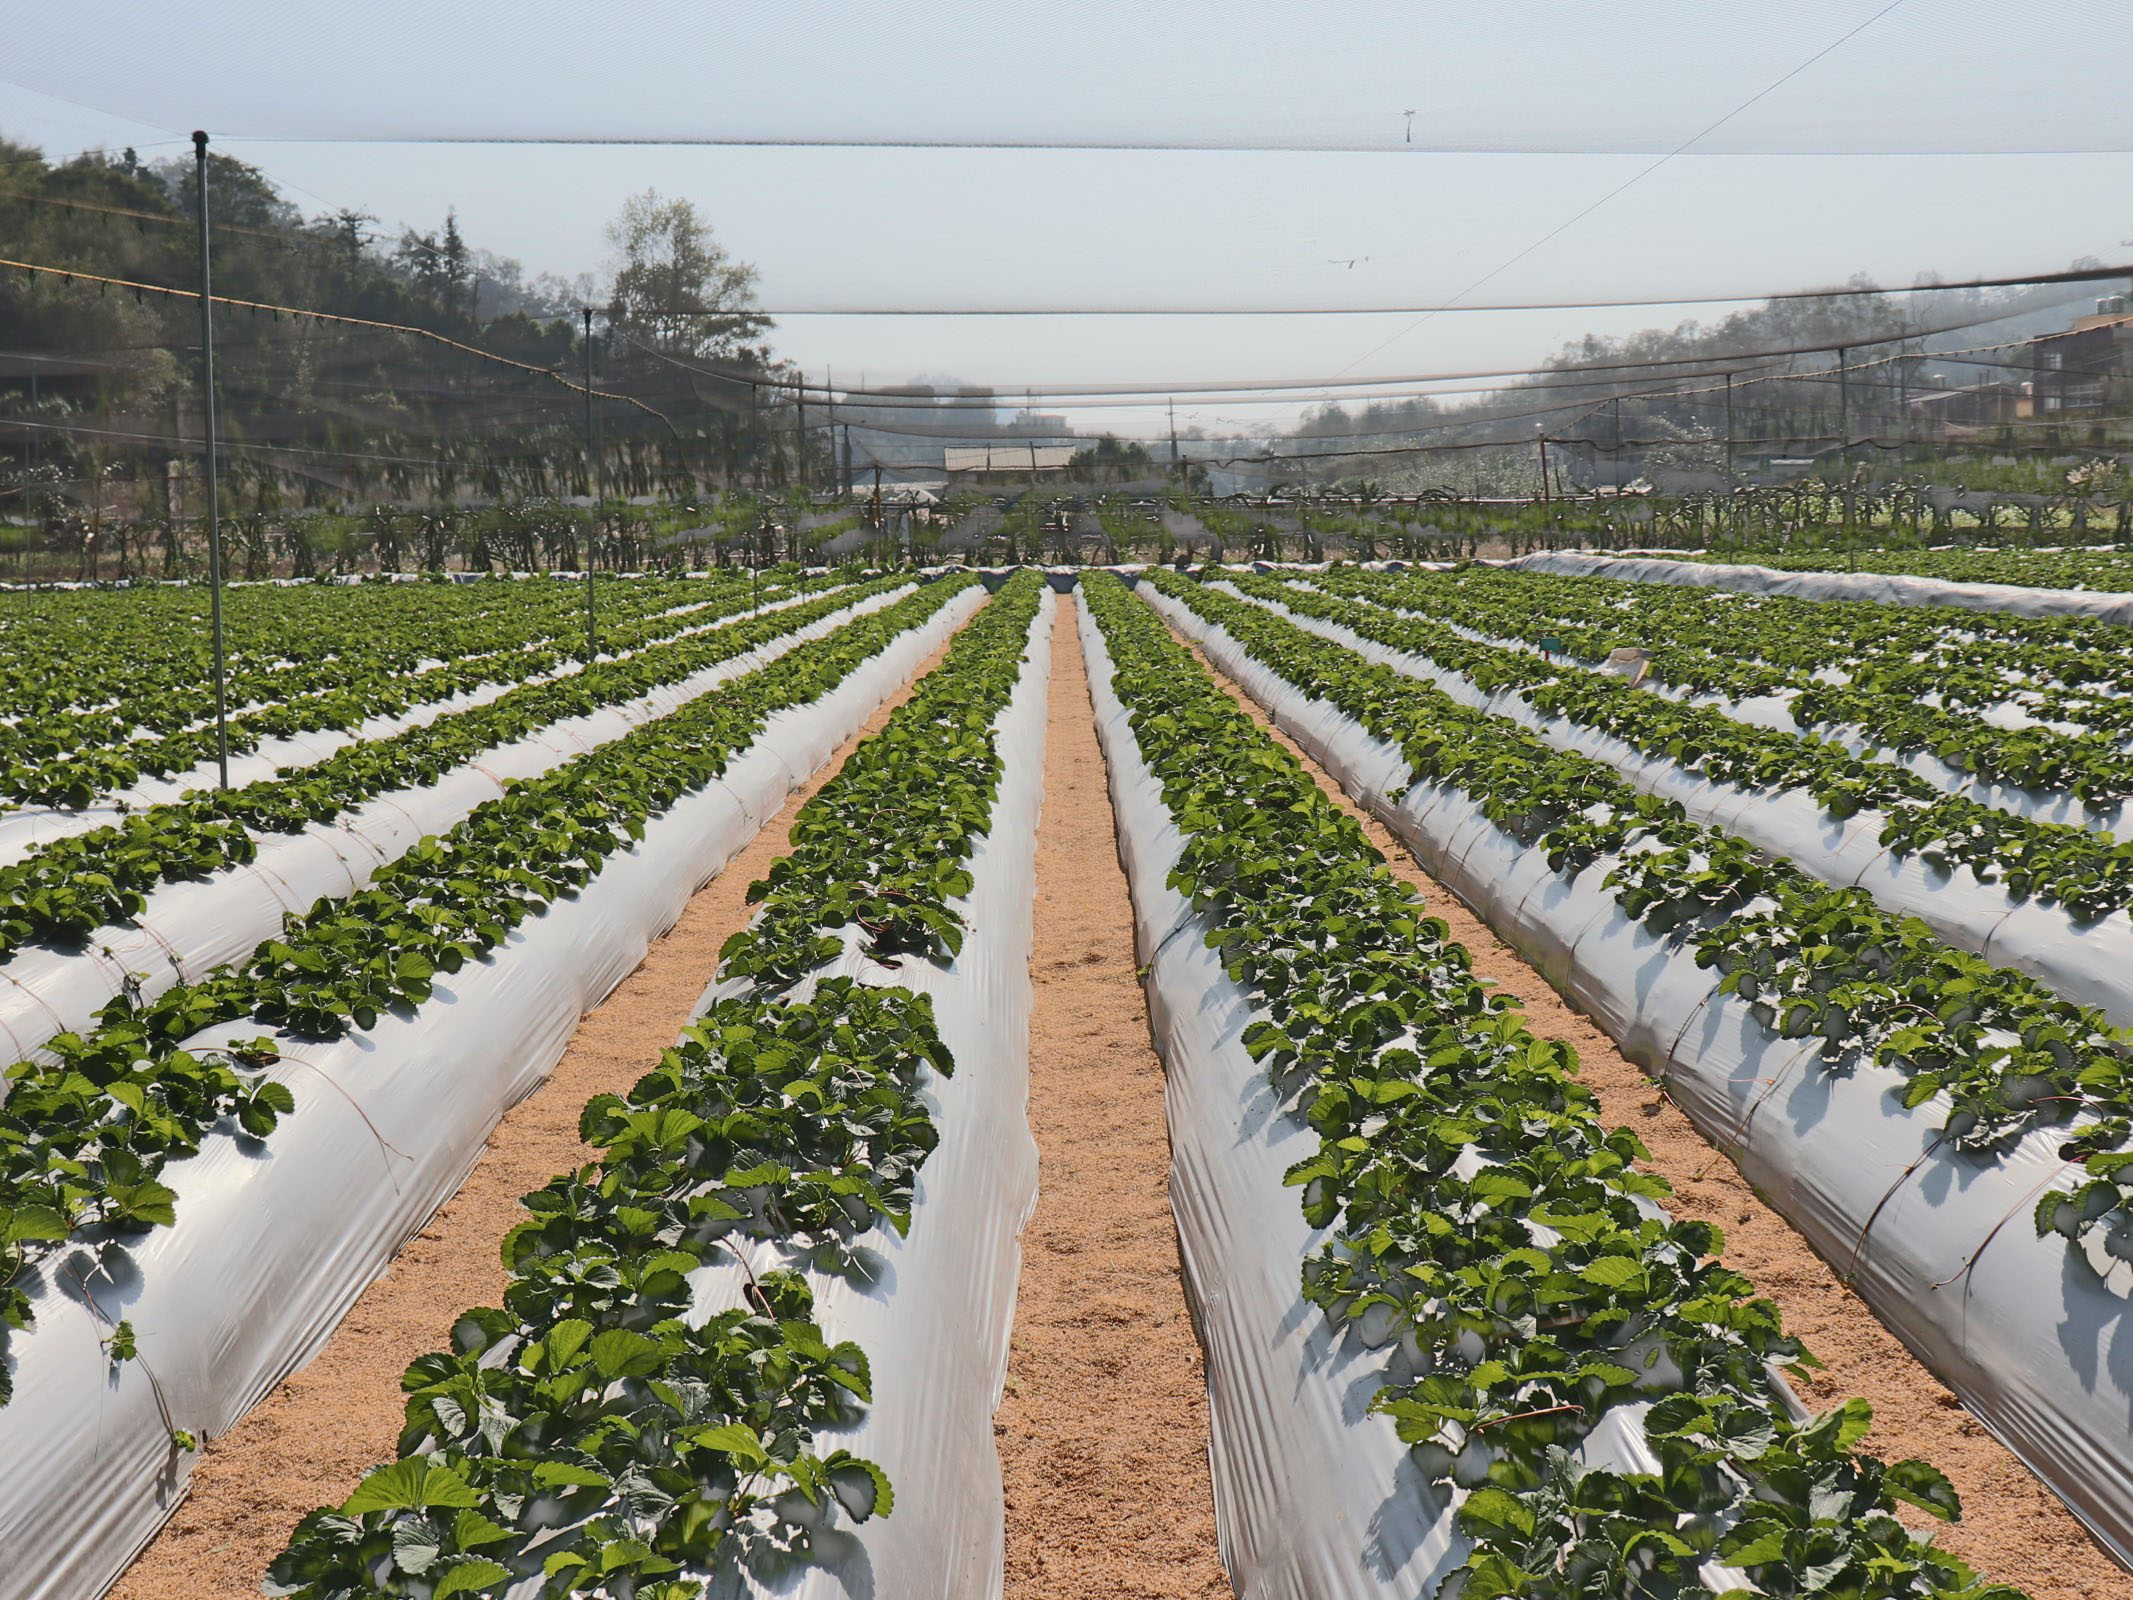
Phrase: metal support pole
x=594 y=477
x=1844 y=403
x=1729 y=424
x=214 y=518
x=829 y=386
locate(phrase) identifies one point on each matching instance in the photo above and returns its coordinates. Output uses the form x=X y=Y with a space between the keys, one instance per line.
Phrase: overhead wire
x=1634 y=179
x=1847 y=292
x=73 y=275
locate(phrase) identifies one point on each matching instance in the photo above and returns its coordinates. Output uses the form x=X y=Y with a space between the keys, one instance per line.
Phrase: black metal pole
x=593 y=477
x=1844 y=403
x=1729 y=424
x=214 y=518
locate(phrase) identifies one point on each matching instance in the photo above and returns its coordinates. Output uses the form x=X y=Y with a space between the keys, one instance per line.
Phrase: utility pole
x=1541 y=439
x=1618 y=443
x=596 y=481
x=847 y=458
x=1173 y=433
x=799 y=400
x=214 y=517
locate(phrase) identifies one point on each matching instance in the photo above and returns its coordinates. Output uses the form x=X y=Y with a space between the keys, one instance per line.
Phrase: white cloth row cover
x=274 y=1240
x=1889 y=589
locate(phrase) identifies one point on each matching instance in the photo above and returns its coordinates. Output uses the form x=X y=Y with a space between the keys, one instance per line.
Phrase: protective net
x=1394 y=76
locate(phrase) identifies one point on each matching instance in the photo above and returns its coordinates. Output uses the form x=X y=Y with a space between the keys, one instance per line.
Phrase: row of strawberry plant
x=598 y=1435
x=2089 y=874
x=66 y=889
x=72 y=761
x=2070 y=651
x=139 y=656
x=1915 y=689
x=96 y=651
x=83 y=1137
x=2096 y=569
x=1962 y=659
x=1536 y=1285
x=1813 y=960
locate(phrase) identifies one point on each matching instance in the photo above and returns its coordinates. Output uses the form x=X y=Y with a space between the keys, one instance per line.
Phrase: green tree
x=677 y=290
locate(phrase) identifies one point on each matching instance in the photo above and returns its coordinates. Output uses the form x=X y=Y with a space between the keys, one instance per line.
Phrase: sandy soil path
x=1103 y=1433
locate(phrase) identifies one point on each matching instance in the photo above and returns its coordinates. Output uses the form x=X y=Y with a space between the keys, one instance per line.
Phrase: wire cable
x=71 y=275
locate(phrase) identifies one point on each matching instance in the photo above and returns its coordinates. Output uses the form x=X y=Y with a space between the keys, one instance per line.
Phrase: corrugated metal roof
x=1007 y=457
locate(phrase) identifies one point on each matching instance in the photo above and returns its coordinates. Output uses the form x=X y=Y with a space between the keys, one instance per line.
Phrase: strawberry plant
x=67 y=889
x=336 y=657
x=1910 y=680
x=83 y=1137
x=594 y=1434
x=2009 y=1056
x=1486 y=1224
x=2089 y=873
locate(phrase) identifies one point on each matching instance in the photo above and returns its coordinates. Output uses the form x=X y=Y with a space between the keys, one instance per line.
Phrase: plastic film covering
x=29 y=827
x=933 y=1308
x=191 y=926
x=275 y=1239
x=1315 y=1497
x=2089 y=962
x=1936 y=1242
x=1880 y=588
x=1774 y=712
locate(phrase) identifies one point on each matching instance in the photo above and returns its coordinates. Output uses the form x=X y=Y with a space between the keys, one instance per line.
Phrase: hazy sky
x=1985 y=108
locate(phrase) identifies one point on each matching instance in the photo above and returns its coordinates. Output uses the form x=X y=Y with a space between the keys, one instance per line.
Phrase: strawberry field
x=1843 y=876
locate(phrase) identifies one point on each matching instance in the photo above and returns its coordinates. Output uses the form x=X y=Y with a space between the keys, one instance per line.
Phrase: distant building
x=2088 y=368
x=1040 y=424
x=1007 y=460
x=1976 y=405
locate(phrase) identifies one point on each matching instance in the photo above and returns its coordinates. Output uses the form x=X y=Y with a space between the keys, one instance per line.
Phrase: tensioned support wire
x=73 y=275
